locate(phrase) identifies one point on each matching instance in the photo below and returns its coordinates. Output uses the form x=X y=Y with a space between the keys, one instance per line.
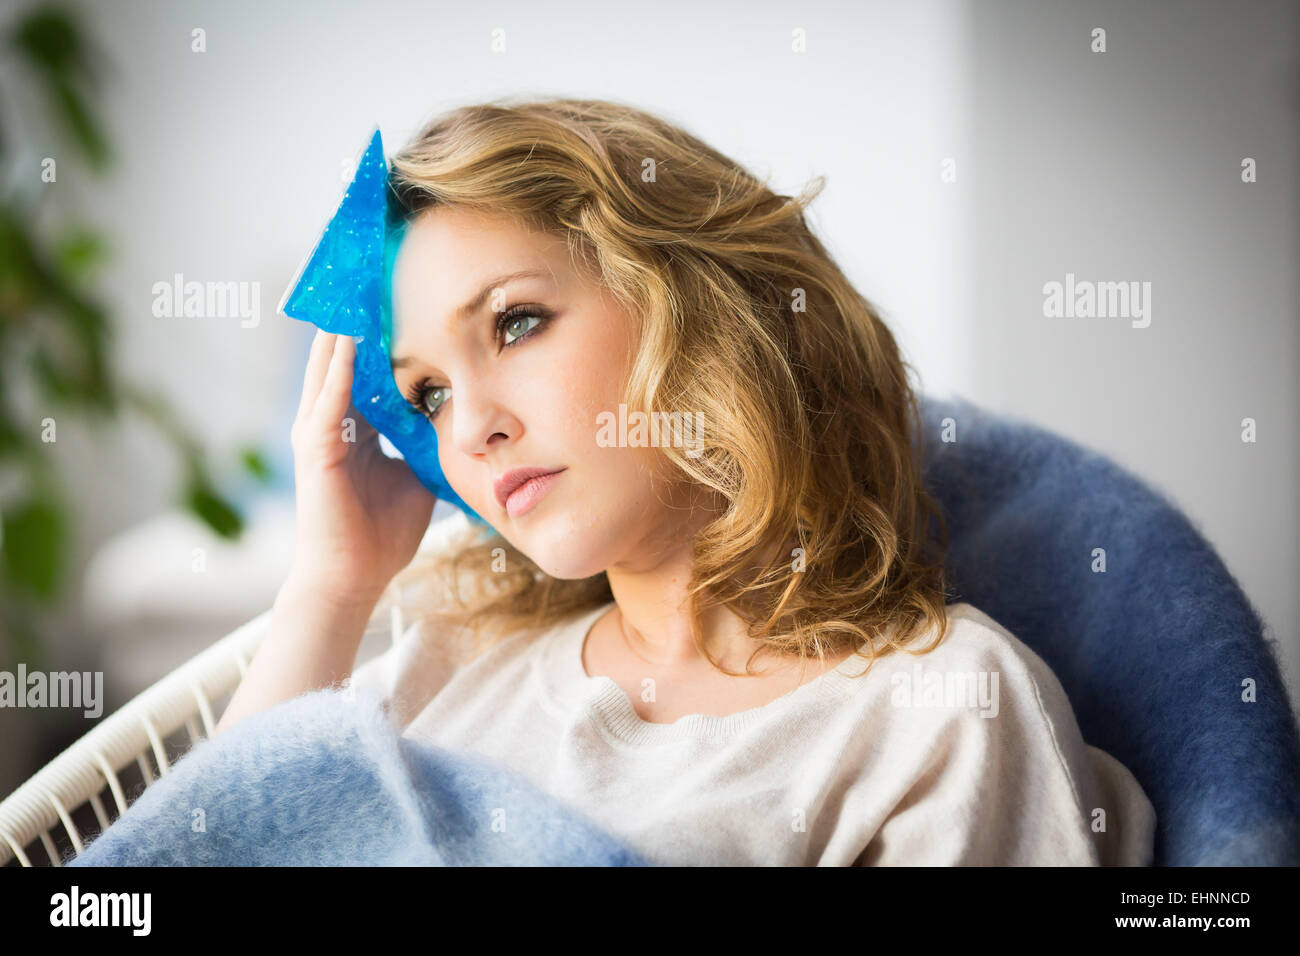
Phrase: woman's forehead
x=460 y=247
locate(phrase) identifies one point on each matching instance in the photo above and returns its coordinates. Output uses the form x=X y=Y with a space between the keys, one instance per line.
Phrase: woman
x=726 y=640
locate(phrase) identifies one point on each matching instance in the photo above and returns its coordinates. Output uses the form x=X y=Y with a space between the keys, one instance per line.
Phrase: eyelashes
x=418 y=394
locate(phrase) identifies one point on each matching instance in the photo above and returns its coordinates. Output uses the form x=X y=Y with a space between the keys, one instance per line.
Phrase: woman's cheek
x=457 y=475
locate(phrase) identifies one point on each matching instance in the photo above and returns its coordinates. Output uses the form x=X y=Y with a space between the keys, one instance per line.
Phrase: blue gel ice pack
x=345 y=287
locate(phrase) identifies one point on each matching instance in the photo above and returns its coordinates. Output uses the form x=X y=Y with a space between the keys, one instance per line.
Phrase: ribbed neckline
x=566 y=685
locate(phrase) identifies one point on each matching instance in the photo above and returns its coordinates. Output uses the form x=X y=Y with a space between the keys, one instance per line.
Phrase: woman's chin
x=567 y=570
x=561 y=555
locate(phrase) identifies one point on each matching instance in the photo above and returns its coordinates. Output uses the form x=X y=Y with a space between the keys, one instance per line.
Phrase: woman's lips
x=523 y=498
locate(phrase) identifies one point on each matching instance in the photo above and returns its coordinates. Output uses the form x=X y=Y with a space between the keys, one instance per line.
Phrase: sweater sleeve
x=1015 y=788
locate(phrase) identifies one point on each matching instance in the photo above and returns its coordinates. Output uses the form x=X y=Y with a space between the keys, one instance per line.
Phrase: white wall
x=1127 y=166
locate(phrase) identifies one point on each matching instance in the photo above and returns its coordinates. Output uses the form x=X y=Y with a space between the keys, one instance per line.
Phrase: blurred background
x=973 y=152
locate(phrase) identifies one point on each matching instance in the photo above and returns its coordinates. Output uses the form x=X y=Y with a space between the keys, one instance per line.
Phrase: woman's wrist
x=303 y=585
x=312 y=641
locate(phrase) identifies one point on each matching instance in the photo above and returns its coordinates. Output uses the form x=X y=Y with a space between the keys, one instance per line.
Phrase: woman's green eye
x=511 y=320
x=428 y=395
x=523 y=330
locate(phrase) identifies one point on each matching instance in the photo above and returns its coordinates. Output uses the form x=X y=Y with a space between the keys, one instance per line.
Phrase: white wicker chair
x=180 y=706
x=80 y=773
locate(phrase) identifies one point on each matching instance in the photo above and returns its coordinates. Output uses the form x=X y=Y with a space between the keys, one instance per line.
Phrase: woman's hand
x=361 y=515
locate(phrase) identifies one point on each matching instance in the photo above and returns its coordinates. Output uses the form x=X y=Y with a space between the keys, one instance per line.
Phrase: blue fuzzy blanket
x=325 y=780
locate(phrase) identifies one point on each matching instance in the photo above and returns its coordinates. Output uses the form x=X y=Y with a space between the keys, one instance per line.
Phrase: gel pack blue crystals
x=345 y=287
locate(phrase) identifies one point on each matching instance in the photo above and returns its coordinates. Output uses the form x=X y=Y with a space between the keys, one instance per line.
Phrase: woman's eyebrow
x=473 y=305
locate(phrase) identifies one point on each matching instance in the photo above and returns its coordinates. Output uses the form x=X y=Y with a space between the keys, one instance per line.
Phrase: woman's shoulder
x=975 y=642
x=981 y=688
x=410 y=665
x=972 y=631
x=1022 y=680
x=448 y=641
x=983 y=736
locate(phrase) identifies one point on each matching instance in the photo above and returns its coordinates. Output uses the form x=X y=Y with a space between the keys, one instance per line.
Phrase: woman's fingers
x=327 y=391
x=322 y=346
x=336 y=392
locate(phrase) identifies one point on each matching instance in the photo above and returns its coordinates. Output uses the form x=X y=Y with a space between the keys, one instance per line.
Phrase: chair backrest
x=1161 y=654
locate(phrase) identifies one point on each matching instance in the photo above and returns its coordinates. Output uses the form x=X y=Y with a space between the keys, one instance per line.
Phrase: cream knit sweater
x=967 y=755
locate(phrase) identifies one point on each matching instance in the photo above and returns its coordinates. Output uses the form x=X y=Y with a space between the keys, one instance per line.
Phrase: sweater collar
x=567 y=687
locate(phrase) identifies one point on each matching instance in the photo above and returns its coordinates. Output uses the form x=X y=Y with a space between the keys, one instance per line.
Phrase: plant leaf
x=80 y=252
x=213 y=510
x=255 y=463
x=35 y=547
x=52 y=42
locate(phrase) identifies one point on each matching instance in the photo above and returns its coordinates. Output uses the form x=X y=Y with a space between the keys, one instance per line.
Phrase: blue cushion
x=1154 y=653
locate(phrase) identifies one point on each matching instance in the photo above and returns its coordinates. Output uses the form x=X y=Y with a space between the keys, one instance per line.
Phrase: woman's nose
x=480 y=419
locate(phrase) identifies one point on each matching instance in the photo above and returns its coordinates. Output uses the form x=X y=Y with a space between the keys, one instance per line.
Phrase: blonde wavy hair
x=810 y=461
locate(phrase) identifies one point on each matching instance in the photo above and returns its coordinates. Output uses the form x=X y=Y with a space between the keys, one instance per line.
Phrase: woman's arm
x=312 y=643
x=360 y=518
